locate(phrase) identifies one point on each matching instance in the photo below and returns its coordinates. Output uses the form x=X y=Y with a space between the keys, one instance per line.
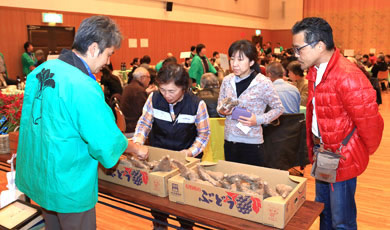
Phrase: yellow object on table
x=214 y=150
x=302 y=109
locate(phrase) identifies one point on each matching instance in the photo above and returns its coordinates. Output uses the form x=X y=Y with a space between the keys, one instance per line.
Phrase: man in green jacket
x=28 y=58
x=200 y=65
x=67 y=129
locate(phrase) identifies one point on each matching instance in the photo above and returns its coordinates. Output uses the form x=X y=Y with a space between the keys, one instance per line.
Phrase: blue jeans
x=340 y=207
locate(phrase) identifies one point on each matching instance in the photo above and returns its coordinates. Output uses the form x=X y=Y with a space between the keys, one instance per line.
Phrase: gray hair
x=275 y=69
x=100 y=29
x=209 y=80
x=39 y=53
x=139 y=72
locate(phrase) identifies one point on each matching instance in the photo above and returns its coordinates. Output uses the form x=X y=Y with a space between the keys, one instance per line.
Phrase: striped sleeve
x=144 y=124
x=203 y=129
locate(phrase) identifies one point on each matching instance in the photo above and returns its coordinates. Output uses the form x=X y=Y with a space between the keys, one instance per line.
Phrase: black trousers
x=66 y=221
x=251 y=154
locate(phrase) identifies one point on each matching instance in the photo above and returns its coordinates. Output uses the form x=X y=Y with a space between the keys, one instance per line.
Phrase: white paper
x=243 y=128
x=132 y=43
x=185 y=54
x=144 y=42
x=372 y=50
x=224 y=61
x=277 y=50
x=349 y=52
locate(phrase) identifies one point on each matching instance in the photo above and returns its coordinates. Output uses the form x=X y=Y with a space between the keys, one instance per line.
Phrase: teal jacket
x=196 y=70
x=27 y=61
x=66 y=130
x=6 y=73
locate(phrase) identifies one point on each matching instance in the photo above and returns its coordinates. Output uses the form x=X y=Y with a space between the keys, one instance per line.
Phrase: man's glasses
x=297 y=50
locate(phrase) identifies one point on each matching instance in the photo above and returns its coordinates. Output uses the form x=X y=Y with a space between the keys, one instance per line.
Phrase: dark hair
x=295 y=67
x=153 y=75
x=26 y=45
x=365 y=56
x=244 y=47
x=387 y=55
x=100 y=29
x=381 y=58
x=315 y=30
x=275 y=69
x=169 y=60
x=135 y=60
x=145 y=59
x=173 y=72
x=199 y=48
x=215 y=53
x=193 y=48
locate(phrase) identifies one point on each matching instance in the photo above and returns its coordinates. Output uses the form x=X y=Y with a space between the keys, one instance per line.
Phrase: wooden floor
x=372 y=194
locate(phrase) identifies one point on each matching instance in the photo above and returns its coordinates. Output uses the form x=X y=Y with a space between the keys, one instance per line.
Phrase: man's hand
x=138 y=150
x=187 y=152
x=248 y=121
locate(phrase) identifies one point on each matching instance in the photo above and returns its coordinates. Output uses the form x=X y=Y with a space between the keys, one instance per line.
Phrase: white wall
x=155 y=9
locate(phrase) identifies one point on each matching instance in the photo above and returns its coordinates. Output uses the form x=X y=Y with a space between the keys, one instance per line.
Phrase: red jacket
x=344 y=99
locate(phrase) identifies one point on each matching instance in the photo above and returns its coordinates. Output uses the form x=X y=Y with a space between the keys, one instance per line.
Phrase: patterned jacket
x=255 y=99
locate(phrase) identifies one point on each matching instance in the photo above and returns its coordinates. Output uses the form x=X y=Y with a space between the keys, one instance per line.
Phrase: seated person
x=209 y=93
x=288 y=94
x=40 y=56
x=134 y=97
x=174 y=119
x=112 y=84
x=295 y=73
x=380 y=65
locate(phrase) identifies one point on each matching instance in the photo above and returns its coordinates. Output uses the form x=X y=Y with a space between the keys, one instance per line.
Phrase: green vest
x=196 y=70
x=27 y=61
x=66 y=130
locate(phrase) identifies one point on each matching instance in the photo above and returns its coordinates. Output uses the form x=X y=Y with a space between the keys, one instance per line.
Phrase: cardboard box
x=155 y=183
x=272 y=211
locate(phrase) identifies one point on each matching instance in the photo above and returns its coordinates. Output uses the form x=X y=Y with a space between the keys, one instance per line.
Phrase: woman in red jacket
x=340 y=99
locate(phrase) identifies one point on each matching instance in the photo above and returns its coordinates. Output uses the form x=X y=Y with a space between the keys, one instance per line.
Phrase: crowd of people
x=67 y=128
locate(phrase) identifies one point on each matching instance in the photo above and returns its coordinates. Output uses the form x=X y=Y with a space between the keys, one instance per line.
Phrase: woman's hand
x=225 y=112
x=248 y=121
x=187 y=152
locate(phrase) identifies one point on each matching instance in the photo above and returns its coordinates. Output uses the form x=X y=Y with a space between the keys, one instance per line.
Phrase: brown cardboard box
x=152 y=182
x=273 y=211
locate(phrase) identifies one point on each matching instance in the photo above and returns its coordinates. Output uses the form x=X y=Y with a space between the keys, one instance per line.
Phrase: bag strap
x=346 y=139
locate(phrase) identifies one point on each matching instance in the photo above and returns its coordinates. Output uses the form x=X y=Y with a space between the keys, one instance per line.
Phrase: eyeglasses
x=297 y=50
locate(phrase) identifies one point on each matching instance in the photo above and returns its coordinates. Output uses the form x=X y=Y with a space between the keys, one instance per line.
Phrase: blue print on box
x=244 y=204
x=137 y=177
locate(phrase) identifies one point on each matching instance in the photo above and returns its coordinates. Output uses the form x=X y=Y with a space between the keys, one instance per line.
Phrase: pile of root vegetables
x=238 y=182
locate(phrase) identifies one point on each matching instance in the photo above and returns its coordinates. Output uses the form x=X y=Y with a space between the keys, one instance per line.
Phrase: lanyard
x=88 y=69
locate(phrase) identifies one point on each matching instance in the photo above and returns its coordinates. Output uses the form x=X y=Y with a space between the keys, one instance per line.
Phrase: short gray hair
x=100 y=29
x=139 y=72
x=209 y=80
x=39 y=53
